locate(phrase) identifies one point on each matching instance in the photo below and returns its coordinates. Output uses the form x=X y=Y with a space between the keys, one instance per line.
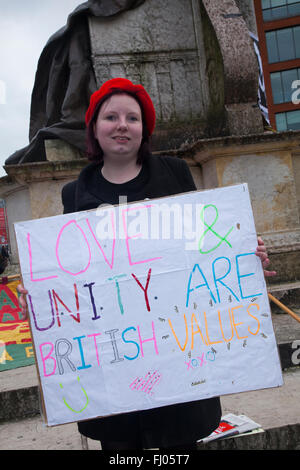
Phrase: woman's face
x=119 y=127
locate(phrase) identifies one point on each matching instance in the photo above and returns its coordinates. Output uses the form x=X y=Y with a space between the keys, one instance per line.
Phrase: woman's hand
x=22 y=300
x=261 y=252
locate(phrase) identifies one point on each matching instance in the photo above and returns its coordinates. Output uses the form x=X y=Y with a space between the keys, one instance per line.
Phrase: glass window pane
x=278 y=9
x=278 y=13
x=285 y=43
x=293 y=120
x=294 y=10
x=272 y=47
x=280 y=122
x=277 y=88
x=267 y=15
x=265 y=4
x=277 y=3
x=288 y=76
x=297 y=41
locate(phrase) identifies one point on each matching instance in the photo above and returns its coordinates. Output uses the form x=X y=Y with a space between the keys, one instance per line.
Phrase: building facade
x=278 y=28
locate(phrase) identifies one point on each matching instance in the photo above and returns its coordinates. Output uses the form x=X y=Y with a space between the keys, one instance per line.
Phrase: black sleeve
x=181 y=171
x=68 y=197
x=187 y=178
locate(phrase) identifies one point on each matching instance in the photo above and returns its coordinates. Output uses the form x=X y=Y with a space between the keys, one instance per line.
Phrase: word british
x=58 y=355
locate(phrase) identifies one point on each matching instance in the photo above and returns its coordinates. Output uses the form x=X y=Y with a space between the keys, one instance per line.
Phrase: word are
x=222 y=265
x=61 y=353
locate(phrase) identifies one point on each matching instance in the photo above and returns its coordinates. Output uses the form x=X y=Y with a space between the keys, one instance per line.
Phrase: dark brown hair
x=93 y=149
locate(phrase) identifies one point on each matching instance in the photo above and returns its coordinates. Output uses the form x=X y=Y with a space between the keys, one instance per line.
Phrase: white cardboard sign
x=149 y=304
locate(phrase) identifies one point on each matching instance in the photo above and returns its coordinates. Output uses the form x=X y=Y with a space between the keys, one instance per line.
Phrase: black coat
x=169 y=425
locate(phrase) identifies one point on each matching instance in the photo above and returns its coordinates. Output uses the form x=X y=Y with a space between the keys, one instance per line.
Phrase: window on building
x=281 y=83
x=278 y=9
x=288 y=121
x=283 y=44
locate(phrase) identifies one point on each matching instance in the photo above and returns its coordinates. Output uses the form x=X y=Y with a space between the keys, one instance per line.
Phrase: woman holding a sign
x=120 y=120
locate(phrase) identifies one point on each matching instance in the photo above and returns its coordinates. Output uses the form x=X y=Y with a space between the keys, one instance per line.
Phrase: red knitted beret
x=126 y=85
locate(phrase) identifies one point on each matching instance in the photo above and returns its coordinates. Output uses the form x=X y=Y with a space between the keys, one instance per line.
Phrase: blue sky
x=25 y=27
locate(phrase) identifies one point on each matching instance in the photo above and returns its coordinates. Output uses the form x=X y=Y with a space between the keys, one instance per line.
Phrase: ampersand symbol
x=210 y=229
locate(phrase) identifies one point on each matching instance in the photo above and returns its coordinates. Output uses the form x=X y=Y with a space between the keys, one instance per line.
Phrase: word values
x=241 y=321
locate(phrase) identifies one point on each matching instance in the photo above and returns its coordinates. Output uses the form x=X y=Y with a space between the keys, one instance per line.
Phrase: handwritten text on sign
x=154 y=303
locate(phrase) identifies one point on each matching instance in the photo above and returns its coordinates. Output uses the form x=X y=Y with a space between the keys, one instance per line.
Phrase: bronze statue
x=64 y=82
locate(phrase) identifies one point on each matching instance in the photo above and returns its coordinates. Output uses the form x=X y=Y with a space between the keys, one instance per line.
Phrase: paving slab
x=33 y=434
x=271 y=407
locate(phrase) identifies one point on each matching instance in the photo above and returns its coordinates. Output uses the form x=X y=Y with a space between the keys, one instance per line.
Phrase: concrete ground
x=270 y=408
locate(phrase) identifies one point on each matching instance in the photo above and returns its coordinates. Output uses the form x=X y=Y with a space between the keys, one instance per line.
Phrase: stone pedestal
x=196 y=60
x=159 y=44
